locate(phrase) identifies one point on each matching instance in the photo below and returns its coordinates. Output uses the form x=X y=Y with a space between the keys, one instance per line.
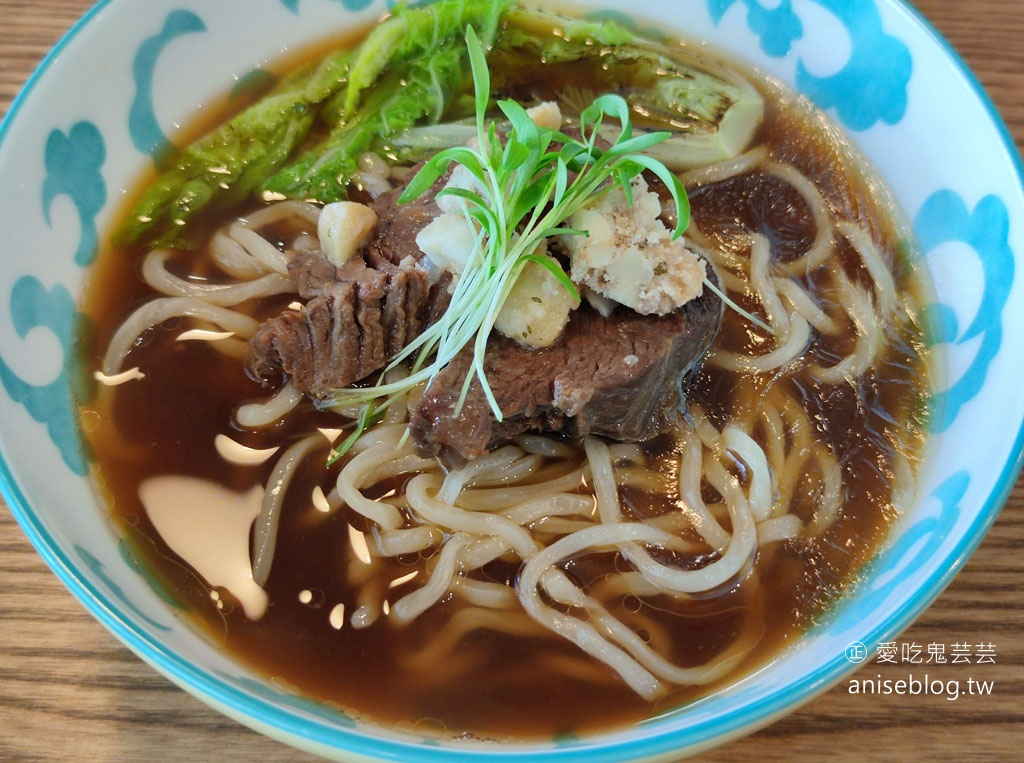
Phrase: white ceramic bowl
x=113 y=90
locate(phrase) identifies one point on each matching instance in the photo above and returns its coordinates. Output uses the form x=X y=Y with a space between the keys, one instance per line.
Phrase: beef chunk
x=312 y=272
x=356 y=315
x=618 y=377
x=336 y=338
x=399 y=224
x=347 y=330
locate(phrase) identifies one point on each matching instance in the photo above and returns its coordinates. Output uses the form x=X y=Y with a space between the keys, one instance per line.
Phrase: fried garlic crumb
x=629 y=255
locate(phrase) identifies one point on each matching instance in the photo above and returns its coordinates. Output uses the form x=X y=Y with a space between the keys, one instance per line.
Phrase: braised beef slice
x=312 y=272
x=618 y=377
x=399 y=224
x=356 y=315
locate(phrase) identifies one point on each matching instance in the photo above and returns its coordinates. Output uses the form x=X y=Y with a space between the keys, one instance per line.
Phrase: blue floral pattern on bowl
x=143 y=124
x=73 y=163
x=944 y=217
x=76 y=168
x=871 y=87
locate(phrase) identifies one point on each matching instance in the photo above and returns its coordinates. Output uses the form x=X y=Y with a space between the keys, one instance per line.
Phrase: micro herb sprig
x=531 y=179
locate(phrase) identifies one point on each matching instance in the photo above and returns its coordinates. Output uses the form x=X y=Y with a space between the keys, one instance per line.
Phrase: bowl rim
x=320 y=737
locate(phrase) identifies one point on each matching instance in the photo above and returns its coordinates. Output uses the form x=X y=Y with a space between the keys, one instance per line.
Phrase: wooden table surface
x=70 y=691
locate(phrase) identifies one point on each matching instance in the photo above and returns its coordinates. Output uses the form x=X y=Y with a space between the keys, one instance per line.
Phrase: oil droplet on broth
x=208 y=526
x=337 y=617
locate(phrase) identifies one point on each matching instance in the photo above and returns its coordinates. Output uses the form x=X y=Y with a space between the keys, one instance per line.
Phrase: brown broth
x=500 y=686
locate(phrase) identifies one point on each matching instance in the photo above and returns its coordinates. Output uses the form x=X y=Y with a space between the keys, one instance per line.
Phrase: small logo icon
x=856 y=652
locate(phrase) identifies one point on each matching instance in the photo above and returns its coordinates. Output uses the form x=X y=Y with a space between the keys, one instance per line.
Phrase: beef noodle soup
x=458 y=463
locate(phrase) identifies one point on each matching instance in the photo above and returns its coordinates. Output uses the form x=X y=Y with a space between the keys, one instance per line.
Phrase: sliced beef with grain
x=356 y=315
x=336 y=337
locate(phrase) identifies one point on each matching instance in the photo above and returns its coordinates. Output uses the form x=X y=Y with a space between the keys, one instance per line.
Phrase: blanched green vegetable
x=412 y=94
x=416 y=64
x=712 y=113
x=234 y=160
x=407 y=71
x=411 y=71
x=534 y=29
x=415 y=35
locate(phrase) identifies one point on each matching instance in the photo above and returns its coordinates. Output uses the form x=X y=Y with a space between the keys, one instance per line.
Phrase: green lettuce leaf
x=409 y=71
x=234 y=160
x=711 y=111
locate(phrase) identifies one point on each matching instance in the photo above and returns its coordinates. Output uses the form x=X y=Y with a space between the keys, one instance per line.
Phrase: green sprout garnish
x=533 y=180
